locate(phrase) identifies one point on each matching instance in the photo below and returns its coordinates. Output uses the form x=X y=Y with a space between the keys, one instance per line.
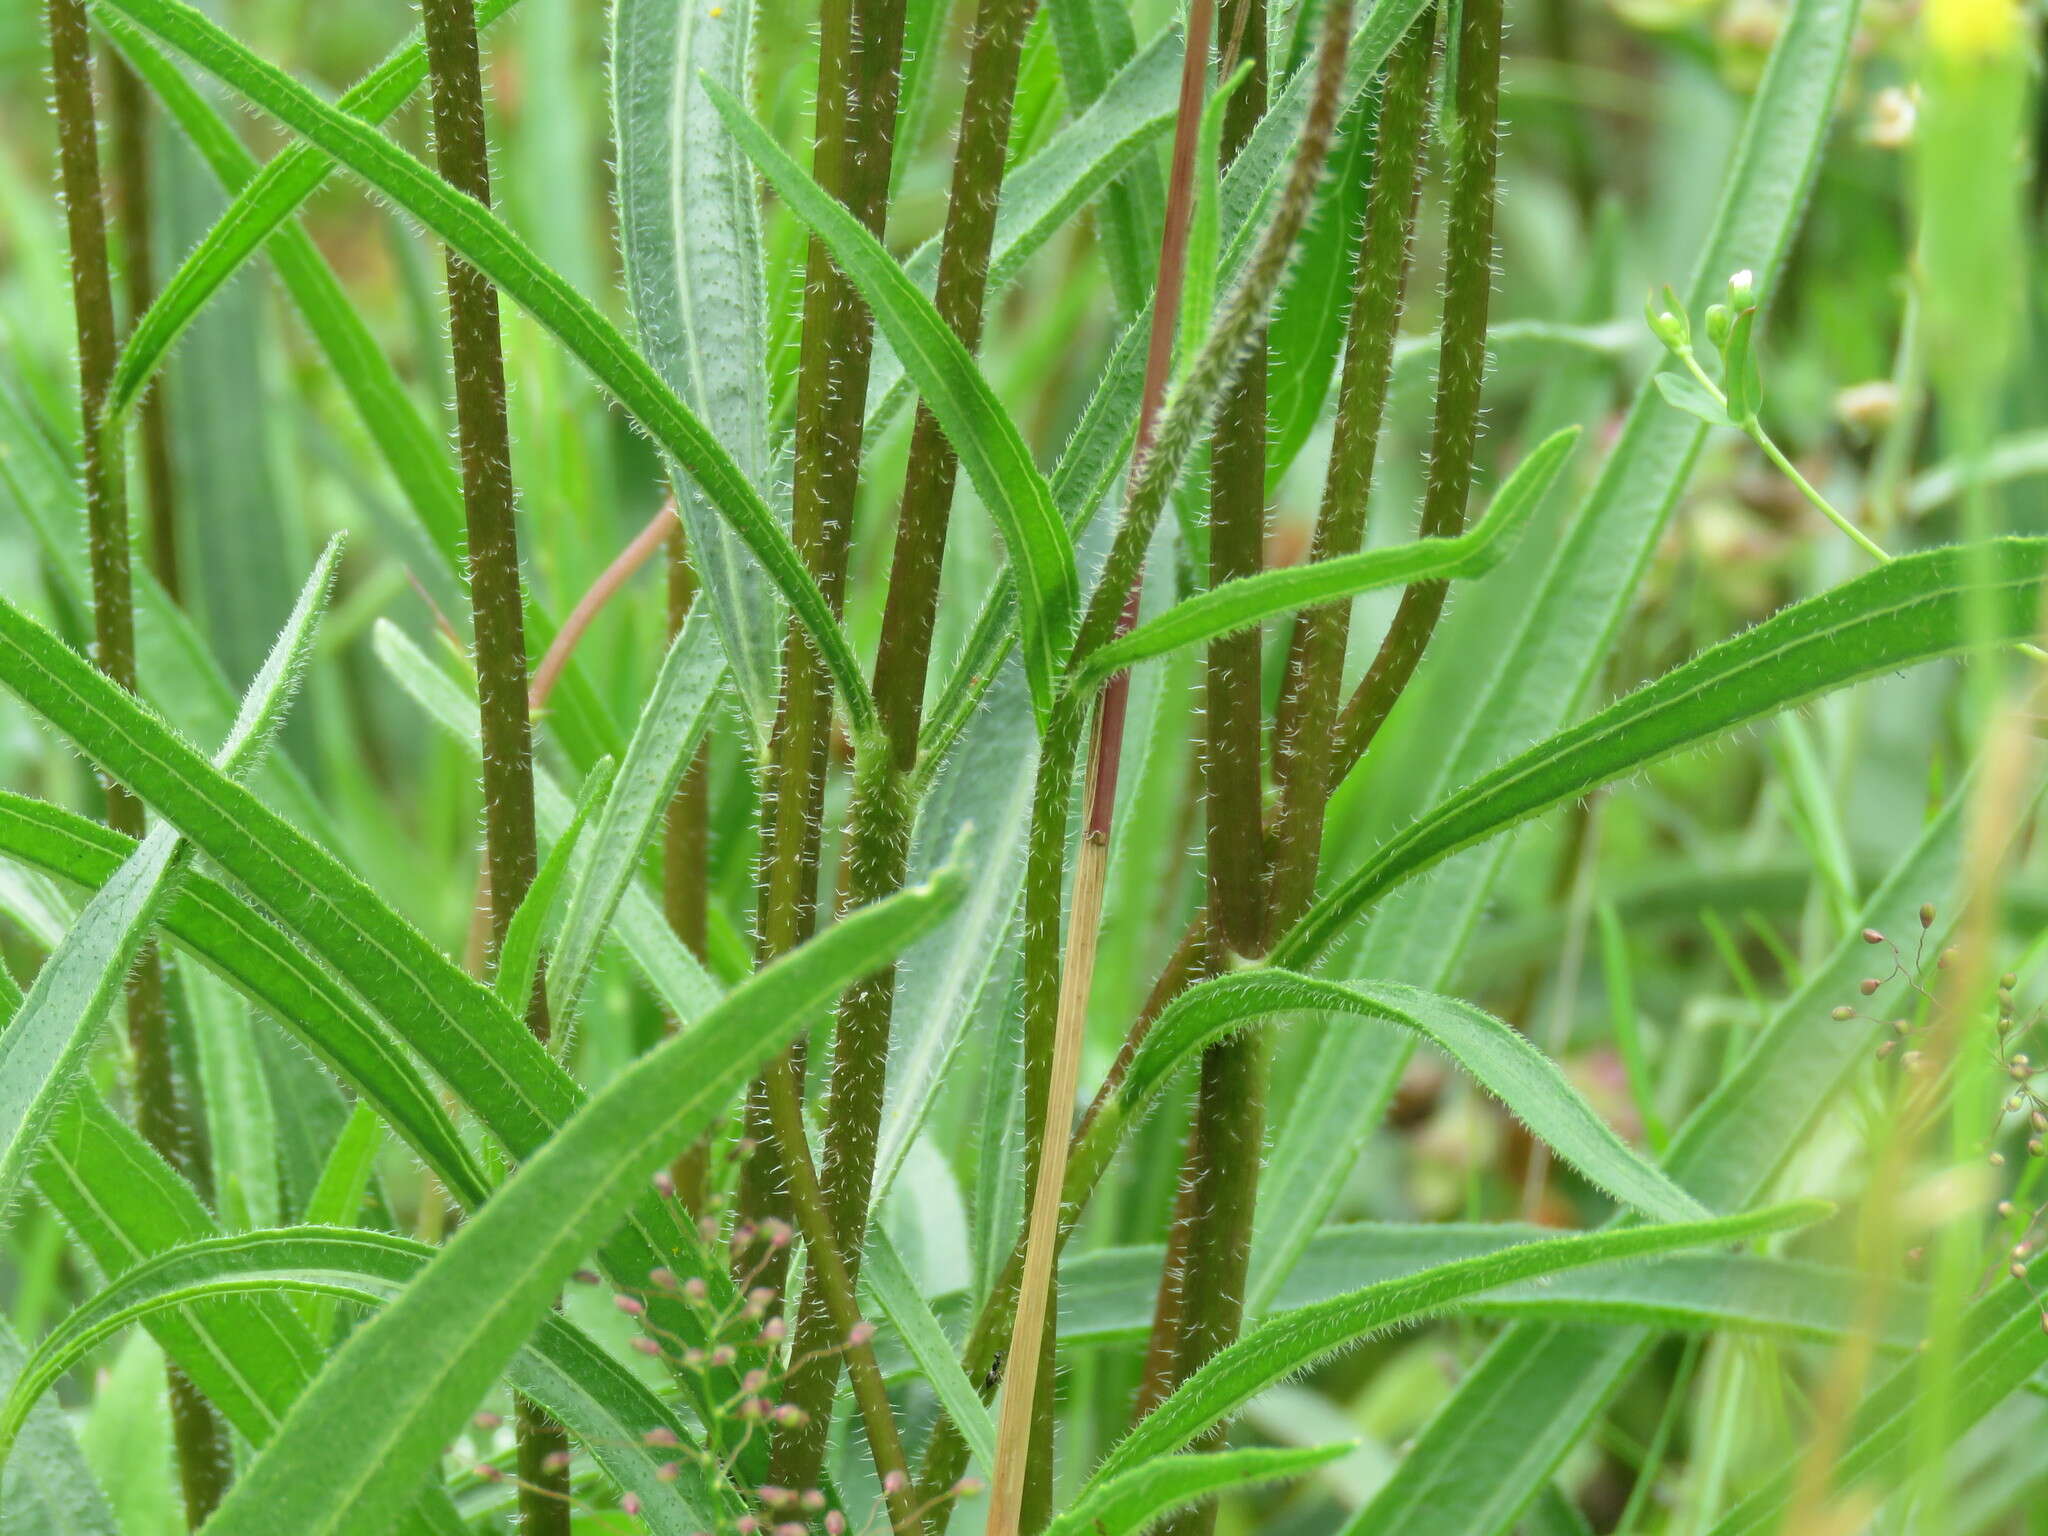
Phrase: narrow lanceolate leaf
x=1912 y=610
x=1498 y=1057
x=678 y=978
x=478 y=1046
x=1276 y=1350
x=360 y=1440
x=250 y=1355
x=1544 y=630
x=885 y=1277
x=987 y=441
x=1536 y=1391
x=690 y=236
x=1106 y=1296
x=519 y=957
x=414 y=452
x=46 y=1046
x=212 y=923
x=258 y=209
x=47 y=1486
x=672 y=724
x=1131 y=1501
x=610 y=1412
x=488 y=244
x=1237 y=605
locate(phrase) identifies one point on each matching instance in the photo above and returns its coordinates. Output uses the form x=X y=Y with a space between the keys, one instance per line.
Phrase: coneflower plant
x=1013 y=769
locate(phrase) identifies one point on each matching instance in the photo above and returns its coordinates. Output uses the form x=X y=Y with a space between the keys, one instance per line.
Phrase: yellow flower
x=1973 y=30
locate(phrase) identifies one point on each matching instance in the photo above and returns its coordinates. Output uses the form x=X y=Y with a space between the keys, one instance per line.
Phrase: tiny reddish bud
x=556 y=1461
x=861 y=1333
x=647 y=1346
x=1868 y=985
x=587 y=1277
x=2019 y=1271
x=813 y=1499
x=661 y=1277
x=772 y=1331
x=792 y=1528
x=1872 y=936
x=489 y=1473
x=789 y=1416
x=774 y=1495
x=1843 y=1014
x=1927 y=915
x=665 y=1184
x=487 y=1421
x=630 y=1503
x=724 y=1355
x=835 y=1522
x=695 y=1291
x=632 y=1306
x=895 y=1482
x=661 y=1434
x=668 y=1472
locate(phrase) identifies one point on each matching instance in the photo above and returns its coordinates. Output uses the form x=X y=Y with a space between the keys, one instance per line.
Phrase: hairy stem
x=884 y=808
x=462 y=151
x=205 y=1463
x=834 y=1280
x=1226 y=1138
x=859 y=63
x=135 y=191
x=1474 y=132
x=1307 y=711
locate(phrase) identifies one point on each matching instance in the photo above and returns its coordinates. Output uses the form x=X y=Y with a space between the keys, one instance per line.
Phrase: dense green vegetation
x=1039 y=768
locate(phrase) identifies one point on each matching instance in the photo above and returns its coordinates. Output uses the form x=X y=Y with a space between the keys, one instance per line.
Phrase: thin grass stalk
x=205 y=1462
x=859 y=59
x=1202 y=1288
x=462 y=150
x=1474 y=134
x=884 y=806
x=134 y=188
x=1306 y=715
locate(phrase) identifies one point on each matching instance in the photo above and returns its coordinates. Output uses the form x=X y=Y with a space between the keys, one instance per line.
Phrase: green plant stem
x=1474 y=131
x=1306 y=715
x=1226 y=1138
x=204 y=1461
x=1049 y=1018
x=462 y=151
x=832 y=1277
x=685 y=849
x=134 y=189
x=859 y=63
x=884 y=806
